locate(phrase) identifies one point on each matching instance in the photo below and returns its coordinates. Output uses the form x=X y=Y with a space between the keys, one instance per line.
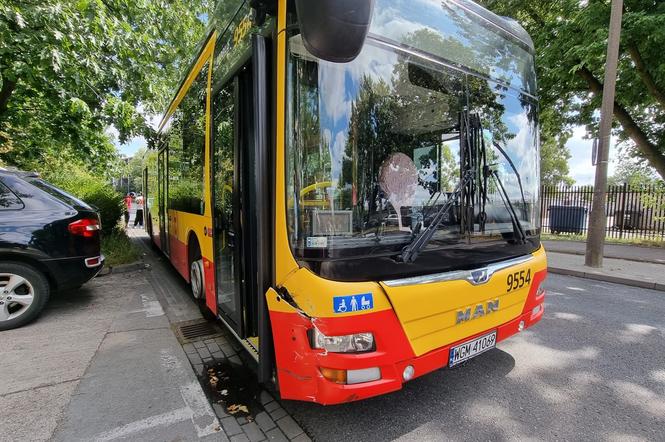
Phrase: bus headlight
x=357 y=342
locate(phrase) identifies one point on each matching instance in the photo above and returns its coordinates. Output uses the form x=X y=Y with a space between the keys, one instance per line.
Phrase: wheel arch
x=193 y=247
x=33 y=262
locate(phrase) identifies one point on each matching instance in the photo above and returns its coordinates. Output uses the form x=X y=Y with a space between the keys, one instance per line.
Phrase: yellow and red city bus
x=352 y=188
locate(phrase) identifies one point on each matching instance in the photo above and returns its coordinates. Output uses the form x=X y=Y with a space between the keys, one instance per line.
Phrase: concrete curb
x=124 y=268
x=608 y=278
x=608 y=256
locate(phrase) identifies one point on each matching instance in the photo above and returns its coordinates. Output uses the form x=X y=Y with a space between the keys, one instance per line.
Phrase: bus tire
x=196 y=279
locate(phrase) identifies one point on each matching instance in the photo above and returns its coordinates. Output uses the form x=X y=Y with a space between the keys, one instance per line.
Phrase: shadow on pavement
x=591 y=370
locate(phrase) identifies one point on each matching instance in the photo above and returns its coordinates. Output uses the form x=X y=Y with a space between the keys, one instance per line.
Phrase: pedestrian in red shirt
x=128 y=206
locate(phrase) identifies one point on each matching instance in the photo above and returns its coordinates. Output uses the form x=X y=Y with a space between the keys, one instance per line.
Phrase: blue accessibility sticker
x=352 y=303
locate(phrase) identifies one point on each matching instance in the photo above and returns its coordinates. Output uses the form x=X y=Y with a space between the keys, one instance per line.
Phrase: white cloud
x=389 y=22
x=337 y=155
x=581 y=169
x=333 y=100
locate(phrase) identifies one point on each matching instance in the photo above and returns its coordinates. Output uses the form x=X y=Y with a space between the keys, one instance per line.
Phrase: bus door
x=240 y=192
x=228 y=183
x=161 y=203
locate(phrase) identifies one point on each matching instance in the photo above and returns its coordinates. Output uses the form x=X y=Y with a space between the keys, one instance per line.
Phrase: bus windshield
x=374 y=148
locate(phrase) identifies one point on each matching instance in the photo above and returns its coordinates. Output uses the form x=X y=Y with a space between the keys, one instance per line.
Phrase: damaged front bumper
x=308 y=374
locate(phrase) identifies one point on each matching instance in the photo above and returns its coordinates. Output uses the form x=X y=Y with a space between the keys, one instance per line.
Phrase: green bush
x=94 y=190
x=119 y=249
x=109 y=204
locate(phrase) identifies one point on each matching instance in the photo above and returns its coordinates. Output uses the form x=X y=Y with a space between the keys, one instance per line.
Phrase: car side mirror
x=334 y=30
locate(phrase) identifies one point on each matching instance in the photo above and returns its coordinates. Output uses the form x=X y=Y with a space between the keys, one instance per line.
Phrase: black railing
x=632 y=212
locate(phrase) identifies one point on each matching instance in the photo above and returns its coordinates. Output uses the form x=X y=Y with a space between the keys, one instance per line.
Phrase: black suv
x=49 y=241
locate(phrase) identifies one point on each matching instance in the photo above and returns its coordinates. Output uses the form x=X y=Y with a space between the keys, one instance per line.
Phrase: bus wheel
x=196 y=279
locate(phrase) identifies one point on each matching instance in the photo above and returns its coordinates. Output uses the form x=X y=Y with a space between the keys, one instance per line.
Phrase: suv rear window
x=8 y=200
x=60 y=194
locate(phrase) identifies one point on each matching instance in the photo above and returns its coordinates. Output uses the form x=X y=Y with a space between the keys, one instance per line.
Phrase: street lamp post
x=598 y=221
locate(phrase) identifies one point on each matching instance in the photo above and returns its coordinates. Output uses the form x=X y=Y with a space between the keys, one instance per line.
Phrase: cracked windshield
x=378 y=144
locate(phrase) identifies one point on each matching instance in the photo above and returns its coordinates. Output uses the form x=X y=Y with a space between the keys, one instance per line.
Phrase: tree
x=69 y=69
x=570 y=38
x=554 y=154
x=133 y=169
x=634 y=173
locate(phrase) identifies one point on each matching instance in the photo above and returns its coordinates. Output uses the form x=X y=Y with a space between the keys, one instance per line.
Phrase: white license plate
x=469 y=349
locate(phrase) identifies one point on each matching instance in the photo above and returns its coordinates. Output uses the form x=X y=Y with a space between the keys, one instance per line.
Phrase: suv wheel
x=24 y=292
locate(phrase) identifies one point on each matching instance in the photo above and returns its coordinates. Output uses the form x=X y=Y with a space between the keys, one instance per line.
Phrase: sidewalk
x=138 y=385
x=618 y=251
x=101 y=363
x=264 y=418
x=623 y=264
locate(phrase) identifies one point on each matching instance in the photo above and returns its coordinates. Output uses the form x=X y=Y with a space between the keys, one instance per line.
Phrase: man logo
x=479 y=276
x=478 y=311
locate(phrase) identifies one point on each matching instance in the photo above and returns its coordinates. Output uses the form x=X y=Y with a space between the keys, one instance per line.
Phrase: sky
x=129 y=148
x=580 y=161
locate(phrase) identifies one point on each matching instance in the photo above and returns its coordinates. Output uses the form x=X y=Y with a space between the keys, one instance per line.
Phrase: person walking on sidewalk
x=139 y=211
x=128 y=207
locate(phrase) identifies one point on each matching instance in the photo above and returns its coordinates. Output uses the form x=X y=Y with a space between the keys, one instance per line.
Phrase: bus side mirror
x=334 y=30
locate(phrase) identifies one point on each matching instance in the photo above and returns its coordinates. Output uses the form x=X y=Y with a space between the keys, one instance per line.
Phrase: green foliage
x=186 y=195
x=93 y=189
x=69 y=69
x=108 y=202
x=635 y=173
x=133 y=169
x=554 y=154
x=119 y=249
x=570 y=37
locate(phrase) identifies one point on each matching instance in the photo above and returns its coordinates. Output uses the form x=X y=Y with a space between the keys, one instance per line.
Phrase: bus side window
x=223 y=133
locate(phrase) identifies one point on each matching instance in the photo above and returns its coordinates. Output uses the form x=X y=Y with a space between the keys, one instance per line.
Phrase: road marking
x=567 y=316
x=159 y=420
x=197 y=409
x=152 y=307
x=203 y=417
x=576 y=289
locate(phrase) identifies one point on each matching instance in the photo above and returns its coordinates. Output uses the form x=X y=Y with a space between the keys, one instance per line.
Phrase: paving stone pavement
x=269 y=421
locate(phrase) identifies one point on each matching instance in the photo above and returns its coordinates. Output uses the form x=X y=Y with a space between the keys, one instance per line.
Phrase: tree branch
x=645 y=75
x=6 y=92
x=650 y=151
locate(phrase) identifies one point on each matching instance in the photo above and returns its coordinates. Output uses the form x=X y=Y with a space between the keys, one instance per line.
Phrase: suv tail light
x=86 y=227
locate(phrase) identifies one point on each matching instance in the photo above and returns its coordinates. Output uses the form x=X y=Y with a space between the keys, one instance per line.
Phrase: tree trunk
x=8 y=87
x=650 y=151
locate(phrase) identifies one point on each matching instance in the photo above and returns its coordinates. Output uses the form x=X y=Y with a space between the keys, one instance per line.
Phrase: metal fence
x=632 y=212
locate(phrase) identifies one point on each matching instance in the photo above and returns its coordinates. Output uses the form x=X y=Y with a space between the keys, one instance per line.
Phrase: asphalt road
x=592 y=369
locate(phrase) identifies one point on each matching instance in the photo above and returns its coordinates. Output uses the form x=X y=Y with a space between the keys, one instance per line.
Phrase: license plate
x=469 y=349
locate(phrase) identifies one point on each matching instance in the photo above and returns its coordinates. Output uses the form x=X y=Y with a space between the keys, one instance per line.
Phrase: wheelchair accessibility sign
x=353 y=303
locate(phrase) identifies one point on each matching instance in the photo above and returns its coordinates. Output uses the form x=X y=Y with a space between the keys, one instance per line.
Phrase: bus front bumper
x=300 y=367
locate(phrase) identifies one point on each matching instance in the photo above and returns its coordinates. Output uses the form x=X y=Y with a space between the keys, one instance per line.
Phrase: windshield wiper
x=412 y=250
x=512 y=166
x=477 y=166
x=518 y=229
x=517 y=225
